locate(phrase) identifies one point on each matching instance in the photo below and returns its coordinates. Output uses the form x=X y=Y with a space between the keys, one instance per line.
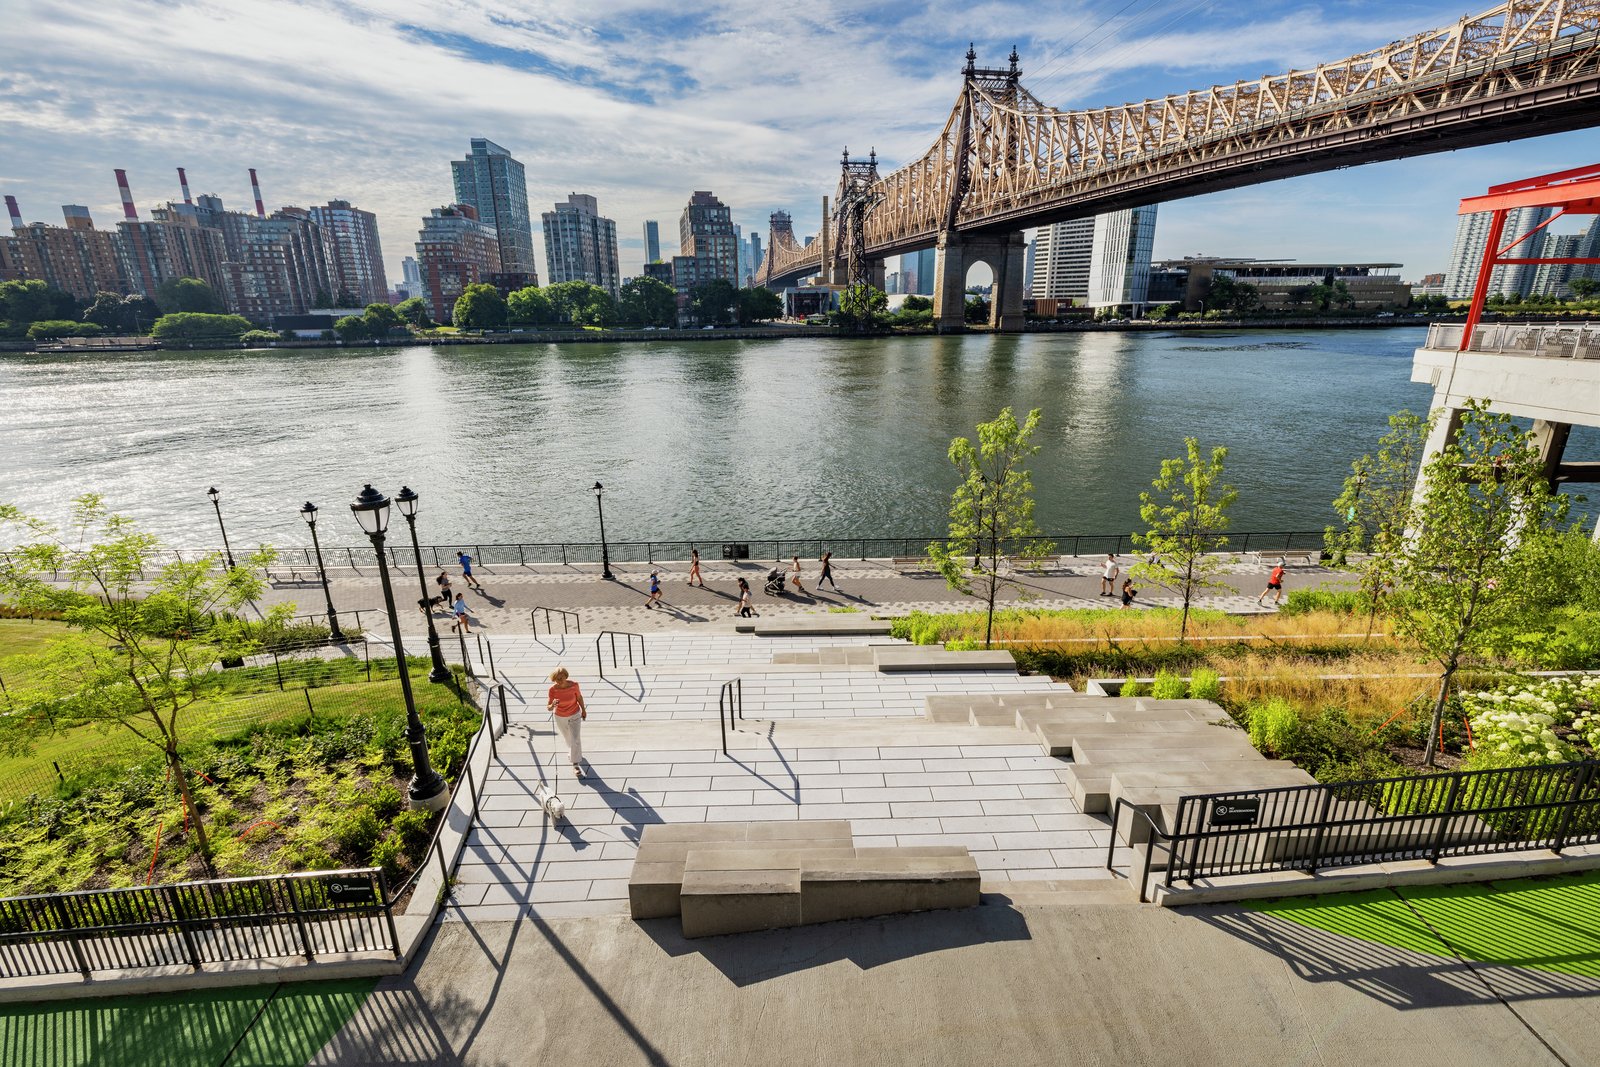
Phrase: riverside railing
x=1550 y=340
x=281 y=916
x=628 y=639
x=730 y=701
x=740 y=551
x=1426 y=817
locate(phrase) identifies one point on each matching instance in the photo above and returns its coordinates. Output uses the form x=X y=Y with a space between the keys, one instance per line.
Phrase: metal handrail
x=729 y=699
x=570 y=620
x=614 y=634
x=1155 y=832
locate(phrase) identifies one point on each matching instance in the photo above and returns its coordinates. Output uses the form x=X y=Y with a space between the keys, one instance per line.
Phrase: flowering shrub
x=1537 y=722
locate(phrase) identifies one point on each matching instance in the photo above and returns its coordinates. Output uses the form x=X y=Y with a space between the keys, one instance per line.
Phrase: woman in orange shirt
x=566 y=702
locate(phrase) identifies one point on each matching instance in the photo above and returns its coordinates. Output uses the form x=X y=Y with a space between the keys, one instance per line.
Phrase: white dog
x=552 y=804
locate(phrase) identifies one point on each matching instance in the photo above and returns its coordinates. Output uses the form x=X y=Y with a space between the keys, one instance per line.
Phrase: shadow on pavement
x=746 y=959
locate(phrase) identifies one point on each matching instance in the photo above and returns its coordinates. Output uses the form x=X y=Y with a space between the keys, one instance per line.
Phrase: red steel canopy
x=1575 y=192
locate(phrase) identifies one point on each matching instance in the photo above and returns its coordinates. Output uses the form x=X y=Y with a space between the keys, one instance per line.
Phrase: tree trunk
x=1438 y=714
x=199 y=827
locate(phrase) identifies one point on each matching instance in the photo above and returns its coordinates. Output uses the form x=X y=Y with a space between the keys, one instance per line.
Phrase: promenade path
x=875 y=586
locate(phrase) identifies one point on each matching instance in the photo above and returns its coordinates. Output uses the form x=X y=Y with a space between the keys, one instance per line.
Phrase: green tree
x=712 y=302
x=192 y=326
x=188 y=294
x=142 y=311
x=648 y=301
x=352 y=328
x=109 y=312
x=50 y=329
x=1186 y=512
x=1583 y=288
x=976 y=310
x=530 y=306
x=916 y=303
x=862 y=307
x=1298 y=295
x=24 y=302
x=759 y=304
x=414 y=311
x=382 y=320
x=1467 y=573
x=1374 y=507
x=582 y=303
x=323 y=299
x=138 y=659
x=479 y=307
x=991 y=511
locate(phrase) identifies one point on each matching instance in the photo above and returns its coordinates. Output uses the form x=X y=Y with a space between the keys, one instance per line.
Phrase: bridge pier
x=1004 y=254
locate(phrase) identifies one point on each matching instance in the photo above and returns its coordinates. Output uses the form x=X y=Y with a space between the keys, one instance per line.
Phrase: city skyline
x=660 y=125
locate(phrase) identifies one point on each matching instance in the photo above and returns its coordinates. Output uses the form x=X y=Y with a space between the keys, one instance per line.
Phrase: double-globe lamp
x=605 y=555
x=227 y=549
x=309 y=513
x=428 y=791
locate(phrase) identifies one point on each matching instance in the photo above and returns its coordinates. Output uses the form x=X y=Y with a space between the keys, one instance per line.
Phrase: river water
x=709 y=441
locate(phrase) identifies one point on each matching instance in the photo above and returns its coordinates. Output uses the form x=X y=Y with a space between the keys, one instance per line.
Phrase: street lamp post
x=309 y=513
x=428 y=791
x=408 y=501
x=227 y=550
x=605 y=556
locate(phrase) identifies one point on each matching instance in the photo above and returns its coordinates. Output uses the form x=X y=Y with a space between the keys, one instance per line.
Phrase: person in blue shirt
x=655 y=590
x=466 y=571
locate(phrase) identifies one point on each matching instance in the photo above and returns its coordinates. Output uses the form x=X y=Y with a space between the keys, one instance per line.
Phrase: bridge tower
x=1005 y=254
x=858 y=196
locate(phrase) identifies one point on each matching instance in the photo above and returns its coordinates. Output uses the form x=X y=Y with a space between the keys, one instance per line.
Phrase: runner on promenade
x=694 y=567
x=794 y=574
x=466 y=570
x=1274 y=585
x=460 y=608
x=655 y=590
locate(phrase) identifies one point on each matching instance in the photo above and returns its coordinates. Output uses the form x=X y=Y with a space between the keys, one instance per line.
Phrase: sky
x=641 y=102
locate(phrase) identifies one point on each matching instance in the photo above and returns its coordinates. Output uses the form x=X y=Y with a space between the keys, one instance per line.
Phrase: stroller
x=774 y=586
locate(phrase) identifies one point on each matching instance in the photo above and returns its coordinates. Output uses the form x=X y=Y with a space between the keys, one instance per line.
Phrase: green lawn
x=1546 y=924
x=24 y=637
x=254 y=1026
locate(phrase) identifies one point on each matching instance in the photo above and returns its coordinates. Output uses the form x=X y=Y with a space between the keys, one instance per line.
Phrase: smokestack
x=255 y=187
x=183 y=181
x=128 y=211
x=14 y=211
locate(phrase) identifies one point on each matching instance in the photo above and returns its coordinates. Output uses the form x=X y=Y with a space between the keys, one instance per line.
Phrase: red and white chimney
x=128 y=210
x=255 y=187
x=183 y=182
x=14 y=211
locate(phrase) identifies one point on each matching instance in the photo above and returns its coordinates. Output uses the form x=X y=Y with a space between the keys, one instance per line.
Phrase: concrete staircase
x=732 y=878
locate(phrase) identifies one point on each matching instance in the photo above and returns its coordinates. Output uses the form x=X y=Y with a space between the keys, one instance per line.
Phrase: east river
x=710 y=441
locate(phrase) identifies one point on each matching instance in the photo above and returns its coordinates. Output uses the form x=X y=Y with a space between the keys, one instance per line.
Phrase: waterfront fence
x=1575 y=341
x=274 y=917
x=1416 y=817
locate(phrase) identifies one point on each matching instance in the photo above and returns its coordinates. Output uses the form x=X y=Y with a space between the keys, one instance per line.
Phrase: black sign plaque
x=357 y=891
x=1240 y=811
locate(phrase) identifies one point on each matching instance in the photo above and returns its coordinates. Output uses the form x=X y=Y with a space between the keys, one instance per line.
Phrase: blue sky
x=640 y=103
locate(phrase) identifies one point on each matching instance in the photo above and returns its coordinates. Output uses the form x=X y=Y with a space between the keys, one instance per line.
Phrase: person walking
x=655 y=591
x=466 y=571
x=460 y=608
x=694 y=568
x=443 y=582
x=1128 y=592
x=745 y=610
x=1108 y=575
x=827 y=572
x=567 y=707
x=1274 y=585
x=794 y=574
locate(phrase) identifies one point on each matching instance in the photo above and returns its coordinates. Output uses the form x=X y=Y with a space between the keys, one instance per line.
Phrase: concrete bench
x=1058 y=738
x=912 y=563
x=1300 y=556
x=741 y=891
x=655 y=885
x=834 y=624
x=891 y=658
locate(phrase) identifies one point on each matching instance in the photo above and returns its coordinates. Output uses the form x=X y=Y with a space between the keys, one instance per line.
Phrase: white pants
x=571 y=729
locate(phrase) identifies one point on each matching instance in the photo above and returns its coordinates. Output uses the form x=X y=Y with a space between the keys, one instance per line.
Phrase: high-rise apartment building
x=705 y=235
x=412 y=275
x=1552 y=279
x=580 y=245
x=494 y=185
x=455 y=249
x=284 y=264
x=758 y=257
x=76 y=257
x=1472 y=239
x=357 y=252
x=652 y=241
x=1103 y=261
x=916 y=271
x=1119 y=272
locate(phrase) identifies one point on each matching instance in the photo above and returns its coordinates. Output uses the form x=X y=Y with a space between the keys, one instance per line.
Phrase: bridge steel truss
x=1005 y=161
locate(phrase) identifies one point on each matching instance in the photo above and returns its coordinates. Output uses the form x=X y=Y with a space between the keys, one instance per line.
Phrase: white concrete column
x=950 y=284
x=1005 y=308
x=1446 y=424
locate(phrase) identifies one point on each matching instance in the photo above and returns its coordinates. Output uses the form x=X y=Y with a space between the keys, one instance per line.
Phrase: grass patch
x=261 y=1025
x=1544 y=924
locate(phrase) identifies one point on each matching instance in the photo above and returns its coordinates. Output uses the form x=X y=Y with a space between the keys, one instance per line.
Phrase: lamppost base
x=607 y=576
x=439 y=675
x=438 y=800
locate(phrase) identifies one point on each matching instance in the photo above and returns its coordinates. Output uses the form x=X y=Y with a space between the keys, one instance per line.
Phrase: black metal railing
x=628 y=644
x=570 y=622
x=730 y=700
x=191 y=924
x=762 y=548
x=1422 y=817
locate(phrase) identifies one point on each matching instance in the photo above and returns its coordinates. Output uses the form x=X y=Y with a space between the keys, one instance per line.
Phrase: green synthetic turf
x=254 y=1026
x=1548 y=924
